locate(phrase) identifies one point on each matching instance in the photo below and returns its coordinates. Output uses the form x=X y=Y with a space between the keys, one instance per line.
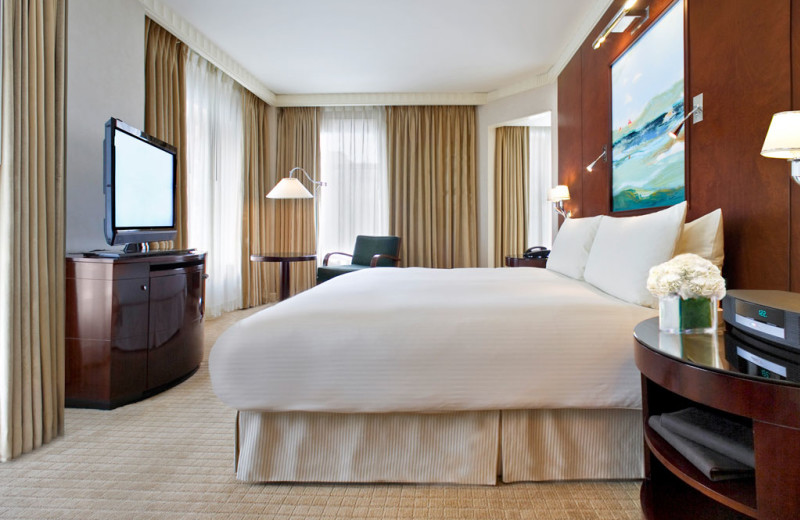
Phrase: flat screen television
x=139 y=182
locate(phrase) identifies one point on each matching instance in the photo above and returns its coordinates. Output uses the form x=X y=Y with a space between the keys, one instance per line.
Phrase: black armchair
x=368 y=252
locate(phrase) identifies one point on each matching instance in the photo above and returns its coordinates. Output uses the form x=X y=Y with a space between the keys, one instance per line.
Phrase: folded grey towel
x=714 y=465
x=714 y=431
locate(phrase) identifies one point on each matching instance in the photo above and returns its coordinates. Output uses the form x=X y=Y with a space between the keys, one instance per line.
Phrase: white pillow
x=571 y=246
x=626 y=248
x=704 y=237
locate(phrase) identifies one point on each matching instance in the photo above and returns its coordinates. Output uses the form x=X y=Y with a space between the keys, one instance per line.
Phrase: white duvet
x=431 y=340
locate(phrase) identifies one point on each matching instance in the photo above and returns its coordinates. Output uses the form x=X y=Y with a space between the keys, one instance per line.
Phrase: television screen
x=139 y=183
x=143 y=180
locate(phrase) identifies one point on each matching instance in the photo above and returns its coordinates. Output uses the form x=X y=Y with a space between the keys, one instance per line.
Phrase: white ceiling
x=392 y=46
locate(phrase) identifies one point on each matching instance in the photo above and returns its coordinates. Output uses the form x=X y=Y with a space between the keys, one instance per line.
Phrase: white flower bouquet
x=687 y=276
x=688 y=288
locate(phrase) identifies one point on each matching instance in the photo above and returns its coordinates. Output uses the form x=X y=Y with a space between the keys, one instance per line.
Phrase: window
x=214 y=179
x=540 y=212
x=353 y=164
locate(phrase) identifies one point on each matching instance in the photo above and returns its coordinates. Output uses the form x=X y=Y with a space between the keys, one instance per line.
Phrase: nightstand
x=519 y=261
x=717 y=371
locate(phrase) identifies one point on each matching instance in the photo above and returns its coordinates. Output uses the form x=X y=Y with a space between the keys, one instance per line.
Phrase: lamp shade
x=783 y=136
x=560 y=192
x=289 y=188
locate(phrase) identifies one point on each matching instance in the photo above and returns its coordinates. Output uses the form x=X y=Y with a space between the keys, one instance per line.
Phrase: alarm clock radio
x=772 y=316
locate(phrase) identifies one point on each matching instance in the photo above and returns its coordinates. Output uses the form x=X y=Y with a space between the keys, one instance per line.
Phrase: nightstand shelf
x=739 y=495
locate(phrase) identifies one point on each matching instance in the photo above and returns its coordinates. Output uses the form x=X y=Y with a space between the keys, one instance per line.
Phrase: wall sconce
x=557 y=196
x=622 y=20
x=603 y=156
x=697 y=112
x=783 y=140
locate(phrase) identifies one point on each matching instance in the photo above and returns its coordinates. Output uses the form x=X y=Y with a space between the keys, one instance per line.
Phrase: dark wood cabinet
x=134 y=326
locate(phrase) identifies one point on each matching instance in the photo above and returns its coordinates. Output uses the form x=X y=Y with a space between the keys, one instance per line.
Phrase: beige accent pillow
x=625 y=248
x=704 y=237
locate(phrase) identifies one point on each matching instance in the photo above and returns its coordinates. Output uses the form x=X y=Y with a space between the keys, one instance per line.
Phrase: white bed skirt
x=457 y=447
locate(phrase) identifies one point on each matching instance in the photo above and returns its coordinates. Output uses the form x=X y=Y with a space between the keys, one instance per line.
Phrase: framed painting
x=647 y=101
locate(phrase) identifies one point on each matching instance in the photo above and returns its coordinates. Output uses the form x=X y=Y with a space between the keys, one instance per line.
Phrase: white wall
x=105 y=78
x=489 y=117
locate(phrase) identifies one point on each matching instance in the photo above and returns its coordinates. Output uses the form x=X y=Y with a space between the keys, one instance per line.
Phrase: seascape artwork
x=647 y=93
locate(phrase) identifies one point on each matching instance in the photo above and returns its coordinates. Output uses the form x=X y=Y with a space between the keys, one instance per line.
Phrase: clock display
x=761 y=313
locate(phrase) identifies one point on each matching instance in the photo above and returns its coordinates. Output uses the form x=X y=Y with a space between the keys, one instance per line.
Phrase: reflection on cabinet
x=134 y=326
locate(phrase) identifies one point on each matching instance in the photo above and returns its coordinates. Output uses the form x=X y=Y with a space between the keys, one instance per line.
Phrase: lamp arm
x=603 y=155
x=314 y=182
x=698 y=109
x=559 y=207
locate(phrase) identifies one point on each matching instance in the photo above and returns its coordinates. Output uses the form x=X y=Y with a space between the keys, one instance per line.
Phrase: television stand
x=134 y=325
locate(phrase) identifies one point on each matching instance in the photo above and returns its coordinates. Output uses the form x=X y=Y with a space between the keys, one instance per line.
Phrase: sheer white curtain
x=353 y=164
x=540 y=212
x=214 y=150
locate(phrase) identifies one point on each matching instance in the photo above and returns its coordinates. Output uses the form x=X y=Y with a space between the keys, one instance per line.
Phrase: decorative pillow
x=625 y=249
x=704 y=237
x=571 y=246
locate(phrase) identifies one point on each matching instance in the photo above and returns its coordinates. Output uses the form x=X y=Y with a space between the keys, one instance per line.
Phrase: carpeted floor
x=171 y=456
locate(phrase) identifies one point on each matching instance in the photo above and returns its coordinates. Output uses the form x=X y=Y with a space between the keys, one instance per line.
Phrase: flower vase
x=689 y=316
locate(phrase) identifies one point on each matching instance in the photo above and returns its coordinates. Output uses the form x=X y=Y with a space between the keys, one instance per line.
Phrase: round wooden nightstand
x=712 y=371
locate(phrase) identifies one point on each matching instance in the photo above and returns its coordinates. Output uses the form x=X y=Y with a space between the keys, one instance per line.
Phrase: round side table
x=285 y=259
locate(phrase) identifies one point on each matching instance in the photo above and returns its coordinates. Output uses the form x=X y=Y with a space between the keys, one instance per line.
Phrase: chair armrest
x=375 y=258
x=325 y=260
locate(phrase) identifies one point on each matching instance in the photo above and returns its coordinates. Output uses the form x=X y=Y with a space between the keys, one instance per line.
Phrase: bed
x=441 y=376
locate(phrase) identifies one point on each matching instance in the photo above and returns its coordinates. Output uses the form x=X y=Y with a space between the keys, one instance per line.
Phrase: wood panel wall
x=570 y=139
x=794 y=190
x=739 y=55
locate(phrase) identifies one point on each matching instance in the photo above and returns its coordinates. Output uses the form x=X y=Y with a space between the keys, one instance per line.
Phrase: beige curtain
x=32 y=225
x=293 y=220
x=511 y=189
x=432 y=184
x=258 y=281
x=165 y=109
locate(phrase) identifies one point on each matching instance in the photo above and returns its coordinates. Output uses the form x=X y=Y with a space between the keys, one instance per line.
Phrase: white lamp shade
x=289 y=188
x=560 y=192
x=783 y=136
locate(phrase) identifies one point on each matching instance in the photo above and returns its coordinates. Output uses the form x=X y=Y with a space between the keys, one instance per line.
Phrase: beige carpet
x=171 y=456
